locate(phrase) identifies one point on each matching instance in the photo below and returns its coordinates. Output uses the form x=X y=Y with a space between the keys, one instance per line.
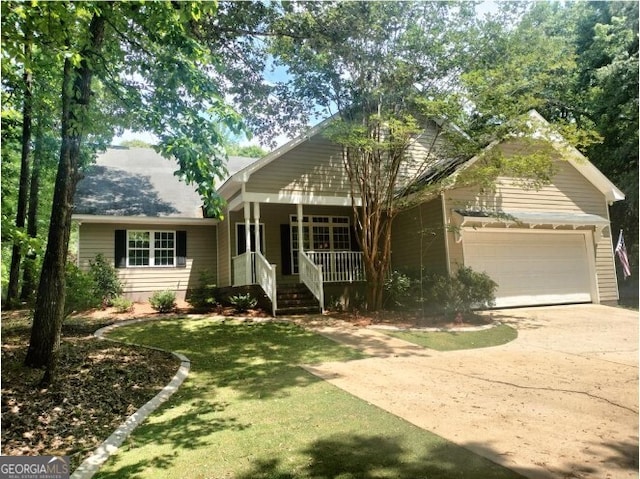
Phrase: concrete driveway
x=561 y=401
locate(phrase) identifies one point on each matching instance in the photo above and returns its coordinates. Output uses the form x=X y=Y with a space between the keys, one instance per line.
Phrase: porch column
x=300 y=238
x=256 y=219
x=247 y=241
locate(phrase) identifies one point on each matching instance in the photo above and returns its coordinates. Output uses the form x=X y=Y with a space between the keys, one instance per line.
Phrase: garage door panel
x=531 y=268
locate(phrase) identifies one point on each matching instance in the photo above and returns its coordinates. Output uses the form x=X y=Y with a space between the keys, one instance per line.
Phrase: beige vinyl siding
x=422 y=152
x=418 y=239
x=605 y=268
x=140 y=282
x=569 y=191
x=314 y=166
x=224 y=255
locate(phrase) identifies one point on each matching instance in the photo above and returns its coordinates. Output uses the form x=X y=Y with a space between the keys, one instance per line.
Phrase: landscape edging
x=90 y=465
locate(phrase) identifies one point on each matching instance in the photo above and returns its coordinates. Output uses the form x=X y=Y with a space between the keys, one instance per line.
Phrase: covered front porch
x=264 y=242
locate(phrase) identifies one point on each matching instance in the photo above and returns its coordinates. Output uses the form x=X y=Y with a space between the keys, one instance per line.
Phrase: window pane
x=341 y=238
x=138 y=239
x=163 y=251
x=321 y=237
x=138 y=257
x=138 y=252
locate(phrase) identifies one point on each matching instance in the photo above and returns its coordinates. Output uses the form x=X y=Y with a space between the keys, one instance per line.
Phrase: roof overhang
x=535 y=218
x=138 y=220
x=529 y=219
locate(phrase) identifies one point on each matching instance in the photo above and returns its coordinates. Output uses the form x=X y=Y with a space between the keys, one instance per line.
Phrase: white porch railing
x=339 y=266
x=243 y=273
x=265 y=276
x=311 y=276
x=253 y=268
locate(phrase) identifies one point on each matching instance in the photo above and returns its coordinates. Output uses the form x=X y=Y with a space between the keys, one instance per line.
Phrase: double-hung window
x=151 y=248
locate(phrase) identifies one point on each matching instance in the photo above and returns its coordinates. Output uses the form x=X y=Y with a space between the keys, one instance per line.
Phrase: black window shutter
x=120 y=249
x=181 y=249
x=241 y=239
x=285 y=248
x=355 y=246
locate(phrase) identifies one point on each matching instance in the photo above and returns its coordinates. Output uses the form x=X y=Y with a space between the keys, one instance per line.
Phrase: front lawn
x=454 y=340
x=247 y=411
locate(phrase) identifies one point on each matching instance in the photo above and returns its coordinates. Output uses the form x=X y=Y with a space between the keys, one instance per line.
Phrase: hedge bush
x=163 y=301
x=107 y=285
x=462 y=293
x=202 y=297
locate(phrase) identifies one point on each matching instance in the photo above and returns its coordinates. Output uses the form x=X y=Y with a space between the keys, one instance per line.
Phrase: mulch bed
x=99 y=385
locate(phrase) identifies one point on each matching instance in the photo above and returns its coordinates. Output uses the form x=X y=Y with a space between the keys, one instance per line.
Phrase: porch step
x=296 y=299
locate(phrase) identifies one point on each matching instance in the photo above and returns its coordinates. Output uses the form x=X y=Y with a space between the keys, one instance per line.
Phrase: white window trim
x=152 y=249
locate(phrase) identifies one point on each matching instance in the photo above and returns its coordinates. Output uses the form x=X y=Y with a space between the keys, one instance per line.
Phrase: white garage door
x=532 y=268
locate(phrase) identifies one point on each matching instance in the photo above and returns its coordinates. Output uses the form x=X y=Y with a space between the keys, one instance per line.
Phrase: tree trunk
x=378 y=263
x=29 y=264
x=23 y=191
x=44 y=344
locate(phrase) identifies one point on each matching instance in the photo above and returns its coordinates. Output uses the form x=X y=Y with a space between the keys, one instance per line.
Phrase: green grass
x=247 y=411
x=454 y=340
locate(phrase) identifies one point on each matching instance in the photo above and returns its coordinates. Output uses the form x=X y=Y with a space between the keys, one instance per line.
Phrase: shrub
x=397 y=289
x=463 y=292
x=480 y=289
x=447 y=295
x=203 y=297
x=121 y=304
x=80 y=290
x=243 y=302
x=105 y=277
x=163 y=301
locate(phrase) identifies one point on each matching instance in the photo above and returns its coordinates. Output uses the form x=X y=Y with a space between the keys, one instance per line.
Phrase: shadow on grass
x=369 y=456
x=163 y=461
x=257 y=360
x=188 y=430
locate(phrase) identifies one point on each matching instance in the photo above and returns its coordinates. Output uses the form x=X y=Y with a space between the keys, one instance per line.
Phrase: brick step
x=296 y=299
x=298 y=310
x=294 y=295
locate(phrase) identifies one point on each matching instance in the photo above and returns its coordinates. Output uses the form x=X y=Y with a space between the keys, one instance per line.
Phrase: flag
x=621 y=253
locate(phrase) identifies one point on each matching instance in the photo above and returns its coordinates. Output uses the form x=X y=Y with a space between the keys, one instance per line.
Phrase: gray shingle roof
x=140 y=182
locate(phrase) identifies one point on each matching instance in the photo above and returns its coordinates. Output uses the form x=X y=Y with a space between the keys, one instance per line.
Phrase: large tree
x=155 y=66
x=386 y=70
x=607 y=56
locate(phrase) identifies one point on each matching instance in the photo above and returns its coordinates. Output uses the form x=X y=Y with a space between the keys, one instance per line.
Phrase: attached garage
x=534 y=267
